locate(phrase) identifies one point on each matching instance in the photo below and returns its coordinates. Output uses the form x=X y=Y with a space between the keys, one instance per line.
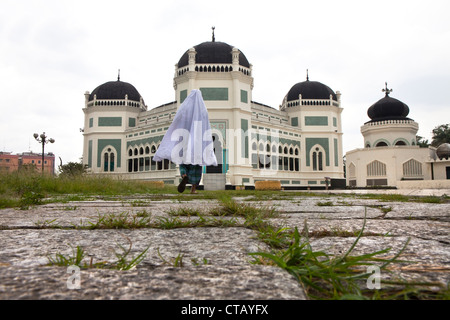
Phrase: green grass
x=24 y=189
x=344 y=277
x=78 y=258
x=28 y=188
x=325 y=203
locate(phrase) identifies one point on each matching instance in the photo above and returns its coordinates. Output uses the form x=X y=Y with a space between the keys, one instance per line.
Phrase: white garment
x=189 y=139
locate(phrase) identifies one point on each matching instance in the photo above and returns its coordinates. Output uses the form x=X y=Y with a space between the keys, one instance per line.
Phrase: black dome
x=115 y=90
x=310 y=90
x=388 y=109
x=213 y=52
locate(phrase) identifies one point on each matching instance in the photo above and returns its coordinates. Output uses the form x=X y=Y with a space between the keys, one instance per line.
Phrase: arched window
x=376 y=168
x=352 y=170
x=412 y=168
x=317 y=159
x=108 y=160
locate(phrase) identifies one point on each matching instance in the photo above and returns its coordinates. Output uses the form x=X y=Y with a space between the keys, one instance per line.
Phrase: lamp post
x=43 y=140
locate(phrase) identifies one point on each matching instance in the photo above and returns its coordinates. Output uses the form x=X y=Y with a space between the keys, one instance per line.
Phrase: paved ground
x=215 y=261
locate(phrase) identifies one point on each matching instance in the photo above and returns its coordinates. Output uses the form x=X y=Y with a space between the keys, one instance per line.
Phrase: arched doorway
x=218 y=151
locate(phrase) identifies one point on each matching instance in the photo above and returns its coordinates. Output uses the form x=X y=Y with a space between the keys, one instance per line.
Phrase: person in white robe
x=188 y=141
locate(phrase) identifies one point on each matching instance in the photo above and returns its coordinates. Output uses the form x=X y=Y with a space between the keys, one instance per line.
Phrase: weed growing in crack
x=122 y=221
x=174 y=262
x=327 y=276
x=325 y=203
x=124 y=262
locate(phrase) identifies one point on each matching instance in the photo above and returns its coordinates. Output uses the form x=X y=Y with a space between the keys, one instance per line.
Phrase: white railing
x=210 y=67
x=311 y=102
x=120 y=102
x=389 y=122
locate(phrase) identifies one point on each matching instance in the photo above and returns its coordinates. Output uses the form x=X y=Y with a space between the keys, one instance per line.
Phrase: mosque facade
x=299 y=144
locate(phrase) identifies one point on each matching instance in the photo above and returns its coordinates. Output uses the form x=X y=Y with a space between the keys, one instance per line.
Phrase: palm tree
x=422 y=142
x=441 y=134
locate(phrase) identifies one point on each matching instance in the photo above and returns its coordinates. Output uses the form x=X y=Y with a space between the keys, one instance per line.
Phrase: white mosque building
x=298 y=144
x=391 y=156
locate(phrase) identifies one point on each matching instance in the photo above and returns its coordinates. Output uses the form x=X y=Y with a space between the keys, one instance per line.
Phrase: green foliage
x=176 y=262
x=124 y=262
x=441 y=134
x=72 y=169
x=76 y=259
x=122 y=221
x=27 y=188
x=325 y=203
x=422 y=142
x=324 y=275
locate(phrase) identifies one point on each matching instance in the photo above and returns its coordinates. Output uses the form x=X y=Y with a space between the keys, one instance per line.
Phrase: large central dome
x=213 y=52
x=310 y=90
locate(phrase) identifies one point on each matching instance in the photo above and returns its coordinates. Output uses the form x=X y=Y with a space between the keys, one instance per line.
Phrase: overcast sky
x=51 y=52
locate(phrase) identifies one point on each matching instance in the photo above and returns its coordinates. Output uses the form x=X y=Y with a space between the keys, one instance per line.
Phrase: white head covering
x=188 y=139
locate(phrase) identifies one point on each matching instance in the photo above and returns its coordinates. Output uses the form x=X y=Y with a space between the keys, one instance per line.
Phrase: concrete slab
x=215 y=261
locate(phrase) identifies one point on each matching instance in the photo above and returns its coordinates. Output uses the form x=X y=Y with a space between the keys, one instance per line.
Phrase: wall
x=425 y=184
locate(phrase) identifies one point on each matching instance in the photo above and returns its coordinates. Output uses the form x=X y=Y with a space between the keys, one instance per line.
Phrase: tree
x=421 y=142
x=441 y=134
x=72 y=169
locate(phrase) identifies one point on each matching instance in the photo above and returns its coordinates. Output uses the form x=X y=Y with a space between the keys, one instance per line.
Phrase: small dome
x=443 y=151
x=115 y=90
x=213 y=52
x=388 y=108
x=310 y=90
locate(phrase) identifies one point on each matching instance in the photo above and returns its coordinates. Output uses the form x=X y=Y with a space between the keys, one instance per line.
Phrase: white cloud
x=51 y=52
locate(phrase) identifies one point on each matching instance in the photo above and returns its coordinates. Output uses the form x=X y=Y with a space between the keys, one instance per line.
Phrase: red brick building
x=13 y=162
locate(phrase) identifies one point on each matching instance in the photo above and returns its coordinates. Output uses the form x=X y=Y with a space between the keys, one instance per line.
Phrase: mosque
x=298 y=144
x=391 y=156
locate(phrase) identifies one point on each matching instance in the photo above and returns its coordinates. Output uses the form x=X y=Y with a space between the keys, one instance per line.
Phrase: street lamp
x=43 y=139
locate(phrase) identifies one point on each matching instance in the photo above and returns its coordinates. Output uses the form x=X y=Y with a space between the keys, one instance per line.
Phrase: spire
x=386 y=90
x=307 y=75
x=118 y=76
x=213 y=36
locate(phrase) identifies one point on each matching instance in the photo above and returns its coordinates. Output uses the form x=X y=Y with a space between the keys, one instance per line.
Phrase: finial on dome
x=118 y=76
x=307 y=75
x=386 y=90
x=213 y=36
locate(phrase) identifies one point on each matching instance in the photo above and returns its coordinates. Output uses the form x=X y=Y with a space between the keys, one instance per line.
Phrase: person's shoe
x=182 y=185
